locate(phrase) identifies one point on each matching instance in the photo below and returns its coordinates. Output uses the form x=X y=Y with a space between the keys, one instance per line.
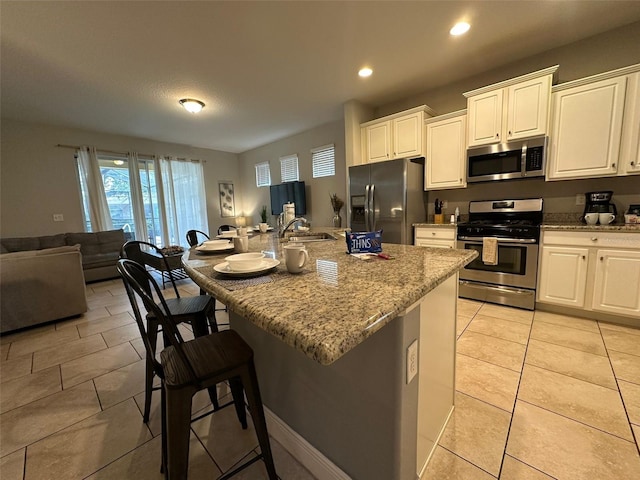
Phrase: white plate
x=215 y=248
x=229 y=234
x=266 y=265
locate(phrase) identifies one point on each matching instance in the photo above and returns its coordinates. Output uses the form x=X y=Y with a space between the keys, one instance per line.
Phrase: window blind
x=289 y=168
x=323 y=161
x=263 y=175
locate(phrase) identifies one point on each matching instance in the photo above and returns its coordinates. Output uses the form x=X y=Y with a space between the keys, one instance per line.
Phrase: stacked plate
x=246 y=264
x=215 y=246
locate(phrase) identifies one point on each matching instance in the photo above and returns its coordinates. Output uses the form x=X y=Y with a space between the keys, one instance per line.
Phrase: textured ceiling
x=266 y=70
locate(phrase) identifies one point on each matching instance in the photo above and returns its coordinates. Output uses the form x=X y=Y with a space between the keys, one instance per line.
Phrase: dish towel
x=489 y=251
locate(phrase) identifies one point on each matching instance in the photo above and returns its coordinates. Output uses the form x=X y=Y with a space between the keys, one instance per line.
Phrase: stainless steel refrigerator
x=387 y=196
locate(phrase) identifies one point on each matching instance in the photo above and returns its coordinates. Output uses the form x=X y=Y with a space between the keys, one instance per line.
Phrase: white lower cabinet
x=437 y=237
x=616 y=286
x=592 y=271
x=563 y=275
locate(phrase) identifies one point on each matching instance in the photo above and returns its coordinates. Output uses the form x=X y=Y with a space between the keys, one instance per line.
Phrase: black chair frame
x=185 y=369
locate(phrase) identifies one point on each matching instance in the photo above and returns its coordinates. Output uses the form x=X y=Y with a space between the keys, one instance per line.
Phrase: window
x=263 y=175
x=289 y=168
x=323 y=161
x=153 y=200
x=115 y=173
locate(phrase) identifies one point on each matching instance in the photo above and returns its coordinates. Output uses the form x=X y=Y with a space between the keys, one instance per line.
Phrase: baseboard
x=306 y=454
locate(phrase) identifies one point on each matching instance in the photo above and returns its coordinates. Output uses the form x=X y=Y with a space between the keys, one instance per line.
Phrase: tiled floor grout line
x=515 y=398
x=624 y=405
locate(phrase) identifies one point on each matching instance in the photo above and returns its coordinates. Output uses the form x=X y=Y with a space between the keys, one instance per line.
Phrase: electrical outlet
x=412 y=360
x=58 y=217
x=445 y=204
x=579 y=199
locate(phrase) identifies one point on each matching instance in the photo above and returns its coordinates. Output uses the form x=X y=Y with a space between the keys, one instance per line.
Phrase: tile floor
x=539 y=396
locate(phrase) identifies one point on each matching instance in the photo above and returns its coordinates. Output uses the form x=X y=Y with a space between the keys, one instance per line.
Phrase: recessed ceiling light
x=365 y=72
x=191 y=105
x=460 y=28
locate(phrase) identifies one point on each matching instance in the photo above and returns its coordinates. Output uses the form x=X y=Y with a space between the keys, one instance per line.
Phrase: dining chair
x=193 y=241
x=197 y=310
x=225 y=228
x=186 y=367
x=192 y=237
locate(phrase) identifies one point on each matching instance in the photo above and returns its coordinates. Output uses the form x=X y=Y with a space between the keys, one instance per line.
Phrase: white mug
x=263 y=227
x=606 y=218
x=591 y=218
x=241 y=244
x=241 y=231
x=295 y=257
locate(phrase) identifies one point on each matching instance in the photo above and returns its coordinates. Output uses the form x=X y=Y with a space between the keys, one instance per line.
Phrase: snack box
x=364 y=242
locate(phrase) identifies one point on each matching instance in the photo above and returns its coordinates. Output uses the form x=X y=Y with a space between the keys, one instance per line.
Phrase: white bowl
x=243 y=262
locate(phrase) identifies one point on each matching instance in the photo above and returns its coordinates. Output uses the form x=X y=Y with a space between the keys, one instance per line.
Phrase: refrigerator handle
x=366 y=208
x=372 y=208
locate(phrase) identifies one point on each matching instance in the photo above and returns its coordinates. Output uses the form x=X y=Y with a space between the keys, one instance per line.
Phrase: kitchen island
x=356 y=358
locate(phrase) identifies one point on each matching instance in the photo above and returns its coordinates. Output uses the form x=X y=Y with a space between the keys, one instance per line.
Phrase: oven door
x=517 y=263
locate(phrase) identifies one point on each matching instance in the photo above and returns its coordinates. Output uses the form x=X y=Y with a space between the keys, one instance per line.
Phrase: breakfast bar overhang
x=355 y=358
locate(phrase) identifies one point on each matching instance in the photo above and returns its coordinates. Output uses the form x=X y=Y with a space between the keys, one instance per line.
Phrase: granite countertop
x=338 y=300
x=576 y=226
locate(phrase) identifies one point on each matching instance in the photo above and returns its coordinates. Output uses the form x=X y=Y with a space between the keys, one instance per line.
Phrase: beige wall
x=601 y=53
x=319 y=211
x=38 y=179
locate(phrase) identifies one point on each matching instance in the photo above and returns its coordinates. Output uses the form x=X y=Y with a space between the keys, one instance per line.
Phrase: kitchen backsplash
x=559 y=197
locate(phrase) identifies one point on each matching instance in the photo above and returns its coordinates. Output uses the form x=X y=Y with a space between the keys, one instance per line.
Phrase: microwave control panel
x=534 y=159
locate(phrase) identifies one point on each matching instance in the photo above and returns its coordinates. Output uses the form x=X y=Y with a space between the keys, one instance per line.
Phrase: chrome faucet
x=291 y=222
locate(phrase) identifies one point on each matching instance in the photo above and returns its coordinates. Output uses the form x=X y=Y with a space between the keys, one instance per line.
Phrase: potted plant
x=263 y=214
x=336 y=203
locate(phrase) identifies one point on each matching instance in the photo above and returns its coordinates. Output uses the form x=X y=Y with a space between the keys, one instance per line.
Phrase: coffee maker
x=599 y=202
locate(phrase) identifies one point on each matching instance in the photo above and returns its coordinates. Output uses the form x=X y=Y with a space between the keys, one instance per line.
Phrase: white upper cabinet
x=446 y=152
x=510 y=110
x=485 y=118
x=595 y=126
x=630 y=149
x=586 y=130
x=400 y=135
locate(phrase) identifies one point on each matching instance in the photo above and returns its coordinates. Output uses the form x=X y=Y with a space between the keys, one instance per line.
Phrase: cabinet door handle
x=633 y=163
x=601 y=258
x=613 y=165
x=594 y=239
x=509 y=132
x=497 y=135
x=584 y=257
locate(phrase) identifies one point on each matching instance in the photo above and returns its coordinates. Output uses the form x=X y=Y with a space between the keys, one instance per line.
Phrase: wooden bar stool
x=185 y=368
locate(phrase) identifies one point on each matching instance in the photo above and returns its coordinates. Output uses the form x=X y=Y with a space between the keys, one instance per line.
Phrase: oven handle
x=499 y=239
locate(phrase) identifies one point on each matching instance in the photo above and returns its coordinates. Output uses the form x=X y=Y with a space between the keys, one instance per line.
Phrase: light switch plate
x=58 y=217
x=579 y=199
x=412 y=361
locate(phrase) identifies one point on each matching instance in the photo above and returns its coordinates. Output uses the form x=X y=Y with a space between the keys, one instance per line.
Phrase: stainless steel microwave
x=503 y=161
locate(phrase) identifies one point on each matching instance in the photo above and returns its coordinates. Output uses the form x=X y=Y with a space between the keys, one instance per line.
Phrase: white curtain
x=93 y=187
x=137 y=203
x=184 y=198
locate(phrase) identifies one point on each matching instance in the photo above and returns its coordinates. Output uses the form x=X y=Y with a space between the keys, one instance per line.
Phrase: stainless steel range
x=515 y=224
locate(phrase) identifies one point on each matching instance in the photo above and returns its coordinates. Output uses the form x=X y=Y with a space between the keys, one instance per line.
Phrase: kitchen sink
x=311 y=237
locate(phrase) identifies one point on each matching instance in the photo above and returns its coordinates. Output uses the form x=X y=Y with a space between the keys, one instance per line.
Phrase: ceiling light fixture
x=460 y=28
x=365 y=72
x=118 y=162
x=191 y=105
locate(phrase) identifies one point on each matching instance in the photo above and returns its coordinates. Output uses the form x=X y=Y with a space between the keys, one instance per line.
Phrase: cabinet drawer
x=436 y=233
x=600 y=239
